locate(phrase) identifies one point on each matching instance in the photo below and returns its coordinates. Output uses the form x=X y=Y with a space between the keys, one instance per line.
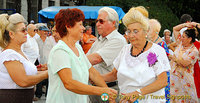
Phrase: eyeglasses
x=128 y=32
x=101 y=21
x=35 y=30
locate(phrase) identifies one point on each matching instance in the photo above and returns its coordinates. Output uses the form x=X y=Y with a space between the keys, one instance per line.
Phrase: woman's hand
x=42 y=67
x=194 y=24
x=111 y=93
x=172 y=46
x=173 y=57
x=91 y=82
x=44 y=73
x=129 y=97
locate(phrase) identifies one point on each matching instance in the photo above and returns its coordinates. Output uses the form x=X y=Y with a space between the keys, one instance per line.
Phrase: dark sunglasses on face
x=101 y=21
x=35 y=30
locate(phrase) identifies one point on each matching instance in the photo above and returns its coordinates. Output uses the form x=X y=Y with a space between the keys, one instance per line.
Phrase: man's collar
x=109 y=36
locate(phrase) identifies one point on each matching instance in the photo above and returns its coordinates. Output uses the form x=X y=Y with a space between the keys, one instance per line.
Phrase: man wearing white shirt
x=106 y=48
x=45 y=45
x=30 y=47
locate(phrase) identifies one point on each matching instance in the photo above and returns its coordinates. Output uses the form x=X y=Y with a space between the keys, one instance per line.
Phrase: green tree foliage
x=181 y=7
x=158 y=9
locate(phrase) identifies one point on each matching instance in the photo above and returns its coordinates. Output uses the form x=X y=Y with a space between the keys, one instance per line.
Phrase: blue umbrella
x=90 y=12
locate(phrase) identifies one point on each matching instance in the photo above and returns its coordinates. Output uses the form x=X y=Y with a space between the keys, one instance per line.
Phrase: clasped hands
x=112 y=94
x=129 y=97
x=191 y=24
x=42 y=67
x=124 y=98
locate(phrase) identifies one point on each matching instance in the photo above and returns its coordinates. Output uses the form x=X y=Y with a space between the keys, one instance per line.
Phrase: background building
x=29 y=8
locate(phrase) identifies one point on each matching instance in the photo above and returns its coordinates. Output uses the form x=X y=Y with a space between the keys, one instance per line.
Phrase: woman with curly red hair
x=69 y=68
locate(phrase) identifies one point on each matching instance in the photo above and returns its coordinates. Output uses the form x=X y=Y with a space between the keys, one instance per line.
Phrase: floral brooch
x=152 y=59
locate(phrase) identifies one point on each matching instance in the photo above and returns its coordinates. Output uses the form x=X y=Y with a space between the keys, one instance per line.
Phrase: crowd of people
x=76 y=66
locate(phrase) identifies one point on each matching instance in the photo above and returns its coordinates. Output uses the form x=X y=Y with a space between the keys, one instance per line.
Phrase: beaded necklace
x=141 y=50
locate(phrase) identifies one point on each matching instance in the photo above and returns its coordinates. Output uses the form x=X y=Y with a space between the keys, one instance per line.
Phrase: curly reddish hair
x=67 y=17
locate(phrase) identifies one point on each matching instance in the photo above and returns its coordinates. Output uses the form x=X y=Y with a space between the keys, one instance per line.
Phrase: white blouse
x=6 y=81
x=135 y=72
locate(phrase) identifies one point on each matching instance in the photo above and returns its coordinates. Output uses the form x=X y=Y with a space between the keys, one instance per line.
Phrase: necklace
x=141 y=50
x=156 y=39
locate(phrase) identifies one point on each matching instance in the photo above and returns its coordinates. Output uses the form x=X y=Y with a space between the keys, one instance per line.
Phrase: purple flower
x=152 y=59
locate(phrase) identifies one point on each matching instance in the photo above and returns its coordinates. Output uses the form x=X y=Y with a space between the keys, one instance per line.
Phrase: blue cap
x=43 y=28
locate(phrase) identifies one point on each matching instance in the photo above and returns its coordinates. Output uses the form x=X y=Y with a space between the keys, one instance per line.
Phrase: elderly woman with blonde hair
x=17 y=74
x=141 y=66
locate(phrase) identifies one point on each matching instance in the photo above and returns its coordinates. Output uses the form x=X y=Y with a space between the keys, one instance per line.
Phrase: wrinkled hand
x=194 y=24
x=112 y=94
x=189 y=25
x=172 y=57
x=129 y=97
x=42 y=67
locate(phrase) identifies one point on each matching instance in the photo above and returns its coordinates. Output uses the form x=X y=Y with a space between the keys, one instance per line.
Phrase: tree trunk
x=39 y=5
x=29 y=2
x=18 y=6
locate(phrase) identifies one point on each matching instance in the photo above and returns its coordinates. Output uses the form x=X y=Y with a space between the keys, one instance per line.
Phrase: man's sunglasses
x=101 y=21
x=35 y=30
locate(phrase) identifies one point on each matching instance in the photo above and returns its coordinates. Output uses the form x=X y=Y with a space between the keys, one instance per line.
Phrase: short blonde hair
x=7 y=24
x=135 y=16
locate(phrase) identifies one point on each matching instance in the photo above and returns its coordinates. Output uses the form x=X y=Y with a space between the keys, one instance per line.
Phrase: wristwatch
x=139 y=91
